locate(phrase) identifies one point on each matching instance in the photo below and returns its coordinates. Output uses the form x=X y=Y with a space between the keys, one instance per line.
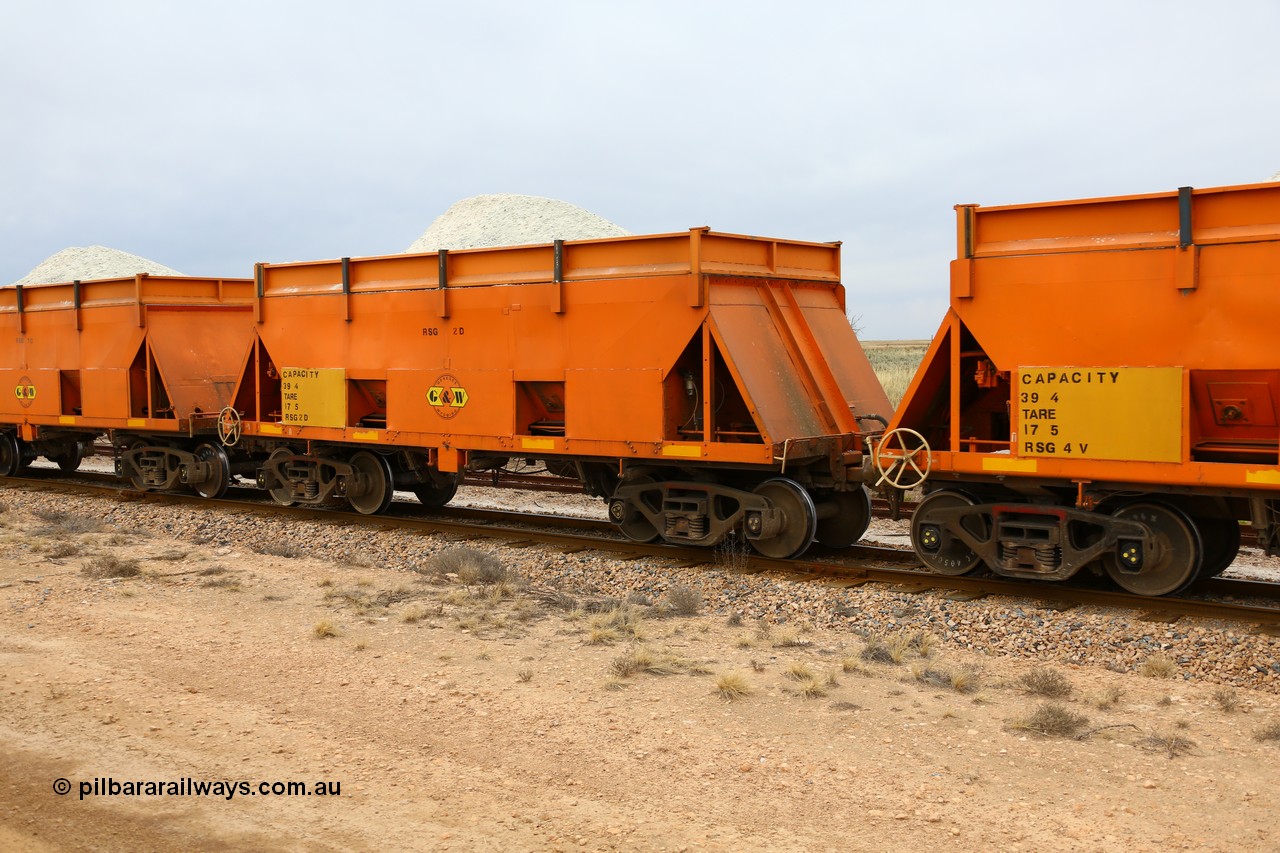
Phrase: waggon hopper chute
x=1104 y=392
x=702 y=383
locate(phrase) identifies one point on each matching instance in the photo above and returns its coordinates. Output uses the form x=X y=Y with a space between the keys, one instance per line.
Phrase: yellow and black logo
x=447 y=396
x=25 y=392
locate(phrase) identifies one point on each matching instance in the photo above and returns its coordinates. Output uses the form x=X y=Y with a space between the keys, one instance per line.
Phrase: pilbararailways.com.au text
x=188 y=787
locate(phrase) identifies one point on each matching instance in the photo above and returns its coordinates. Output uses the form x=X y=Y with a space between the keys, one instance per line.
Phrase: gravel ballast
x=1205 y=651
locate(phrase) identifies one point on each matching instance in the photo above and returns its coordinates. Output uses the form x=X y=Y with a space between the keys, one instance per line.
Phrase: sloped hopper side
x=200 y=353
x=797 y=358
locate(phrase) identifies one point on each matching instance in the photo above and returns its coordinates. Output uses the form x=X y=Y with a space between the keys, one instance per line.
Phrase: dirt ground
x=460 y=718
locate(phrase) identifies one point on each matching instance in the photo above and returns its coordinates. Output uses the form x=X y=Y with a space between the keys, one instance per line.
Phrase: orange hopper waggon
x=147 y=360
x=1104 y=393
x=701 y=383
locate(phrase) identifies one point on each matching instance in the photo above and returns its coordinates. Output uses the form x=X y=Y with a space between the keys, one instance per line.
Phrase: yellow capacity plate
x=311 y=396
x=1120 y=413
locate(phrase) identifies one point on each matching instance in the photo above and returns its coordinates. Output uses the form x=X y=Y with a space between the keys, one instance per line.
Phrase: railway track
x=1219 y=598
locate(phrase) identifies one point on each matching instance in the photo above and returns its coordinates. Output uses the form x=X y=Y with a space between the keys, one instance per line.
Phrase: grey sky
x=211 y=136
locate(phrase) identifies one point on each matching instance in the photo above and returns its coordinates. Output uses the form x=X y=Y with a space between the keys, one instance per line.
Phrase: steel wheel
x=215 y=486
x=437 y=492
x=1221 y=538
x=938 y=548
x=10 y=455
x=1174 y=561
x=853 y=516
x=372 y=491
x=632 y=523
x=283 y=494
x=799 y=519
x=69 y=461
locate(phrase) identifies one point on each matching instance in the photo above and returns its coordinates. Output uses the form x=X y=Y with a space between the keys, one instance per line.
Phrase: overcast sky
x=210 y=136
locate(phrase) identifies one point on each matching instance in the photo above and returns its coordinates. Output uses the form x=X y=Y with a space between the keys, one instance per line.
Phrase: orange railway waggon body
x=1104 y=391
x=146 y=360
x=699 y=382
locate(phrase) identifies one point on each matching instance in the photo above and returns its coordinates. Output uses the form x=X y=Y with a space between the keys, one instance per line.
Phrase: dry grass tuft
x=922 y=643
x=1171 y=745
x=959 y=679
x=791 y=640
x=897 y=647
x=852 y=665
x=60 y=524
x=625 y=619
x=524 y=676
x=556 y=599
x=277 y=549
x=1053 y=720
x=110 y=566
x=798 y=672
x=630 y=662
x=62 y=548
x=503 y=590
x=1159 y=666
x=734 y=620
x=600 y=636
x=229 y=584
x=1110 y=697
x=357 y=560
x=1228 y=700
x=733 y=686
x=388 y=597
x=1271 y=731
x=733 y=553
x=457 y=597
x=811 y=688
x=683 y=599
x=1046 y=681
x=471 y=566
x=640 y=659
x=413 y=614
x=324 y=629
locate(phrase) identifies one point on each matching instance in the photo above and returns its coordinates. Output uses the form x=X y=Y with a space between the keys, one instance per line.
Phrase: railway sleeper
x=1037 y=542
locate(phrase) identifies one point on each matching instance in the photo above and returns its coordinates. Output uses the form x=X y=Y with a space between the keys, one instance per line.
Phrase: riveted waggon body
x=1104 y=391
x=700 y=382
x=144 y=360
